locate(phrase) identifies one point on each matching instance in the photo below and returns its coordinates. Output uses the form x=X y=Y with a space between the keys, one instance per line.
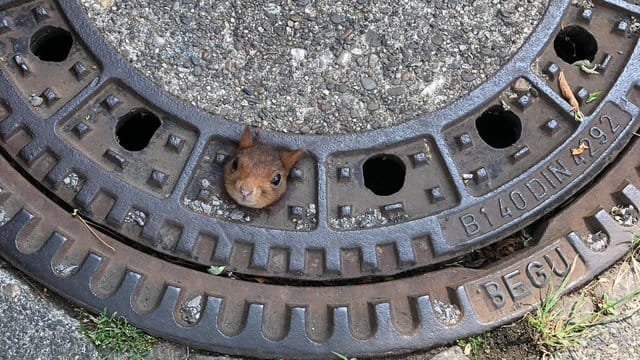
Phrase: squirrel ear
x=246 y=140
x=289 y=158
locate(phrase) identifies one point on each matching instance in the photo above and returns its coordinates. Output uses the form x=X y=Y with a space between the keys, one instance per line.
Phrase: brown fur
x=257 y=165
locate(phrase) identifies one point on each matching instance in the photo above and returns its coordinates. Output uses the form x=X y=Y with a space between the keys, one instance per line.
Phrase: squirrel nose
x=245 y=192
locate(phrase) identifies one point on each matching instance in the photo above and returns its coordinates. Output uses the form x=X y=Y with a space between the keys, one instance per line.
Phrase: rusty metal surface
x=168 y=196
x=250 y=318
x=58 y=78
x=461 y=190
x=347 y=268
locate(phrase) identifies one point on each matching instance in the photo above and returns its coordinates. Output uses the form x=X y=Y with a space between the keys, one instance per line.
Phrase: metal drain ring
x=58 y=126
x=265 y=320
x=150 y=204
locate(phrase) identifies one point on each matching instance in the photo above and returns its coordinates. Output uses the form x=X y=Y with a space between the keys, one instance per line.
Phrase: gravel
x=33 y=327
x=320 y=66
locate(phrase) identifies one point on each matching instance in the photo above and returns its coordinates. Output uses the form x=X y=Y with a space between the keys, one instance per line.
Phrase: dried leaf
x=467 y=349
x=593 y=96
x=580 y=149
x=566 y=92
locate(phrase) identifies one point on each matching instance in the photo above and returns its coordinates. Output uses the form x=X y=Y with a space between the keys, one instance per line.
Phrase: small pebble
x=373 y=38
x=344 y=58
x=159 y=41
x=520 y=86
x=295 y=17
x=11 y=291
x=437 y=40
x=336 y=18
x=468 y=76
x=35 y=100
x=367 y=83
x=298 y=54
x=396 y=91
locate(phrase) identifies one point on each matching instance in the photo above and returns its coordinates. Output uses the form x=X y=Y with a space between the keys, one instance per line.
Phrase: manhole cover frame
x=289 y=336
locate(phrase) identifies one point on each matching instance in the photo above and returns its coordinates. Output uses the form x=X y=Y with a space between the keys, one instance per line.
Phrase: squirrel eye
x=275 y=180
x=234 y=164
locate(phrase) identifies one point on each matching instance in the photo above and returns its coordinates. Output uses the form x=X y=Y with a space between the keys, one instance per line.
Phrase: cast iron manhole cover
x=353 y=258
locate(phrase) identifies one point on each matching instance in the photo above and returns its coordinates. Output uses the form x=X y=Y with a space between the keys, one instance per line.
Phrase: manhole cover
x=354 y=257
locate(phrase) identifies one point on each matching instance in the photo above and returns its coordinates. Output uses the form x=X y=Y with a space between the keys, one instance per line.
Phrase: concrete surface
x=317 y=66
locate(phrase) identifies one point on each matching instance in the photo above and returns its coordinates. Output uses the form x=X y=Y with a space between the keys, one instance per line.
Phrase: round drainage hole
x=384 y=174
x=499 y=128
x=575 y=43
x=51 y=44
x=135 y=129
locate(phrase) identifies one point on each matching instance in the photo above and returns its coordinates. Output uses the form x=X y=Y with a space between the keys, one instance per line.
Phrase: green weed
x=475 y=344
x=115 y=335
x=216 y=270
x=557 y=329
x=343 y=357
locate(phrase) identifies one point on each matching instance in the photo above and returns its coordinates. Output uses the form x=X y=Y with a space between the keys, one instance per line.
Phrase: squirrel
x=256 y=176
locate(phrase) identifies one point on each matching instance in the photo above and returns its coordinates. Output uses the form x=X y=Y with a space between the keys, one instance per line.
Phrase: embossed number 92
x=597 y=134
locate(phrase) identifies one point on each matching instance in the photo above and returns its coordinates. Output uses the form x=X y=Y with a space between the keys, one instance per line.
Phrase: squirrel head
x=256 y=176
